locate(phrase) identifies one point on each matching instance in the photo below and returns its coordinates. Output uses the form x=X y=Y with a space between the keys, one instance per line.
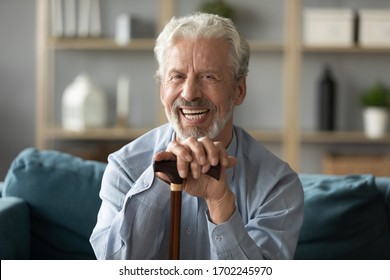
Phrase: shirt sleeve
x=131 y=215
x=271 y=232
x=231 y=241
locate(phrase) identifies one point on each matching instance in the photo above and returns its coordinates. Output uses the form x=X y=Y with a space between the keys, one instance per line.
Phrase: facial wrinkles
x=206 y=62
x=193 y=62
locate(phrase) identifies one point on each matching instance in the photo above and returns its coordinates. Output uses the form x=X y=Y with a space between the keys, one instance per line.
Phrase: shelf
x=355 y=49
x=342 y=137
x=99 y=44
x=57 y=133
x=136 y=44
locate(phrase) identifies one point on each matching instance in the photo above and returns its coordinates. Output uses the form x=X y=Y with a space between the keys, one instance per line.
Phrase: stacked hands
x=194 y=158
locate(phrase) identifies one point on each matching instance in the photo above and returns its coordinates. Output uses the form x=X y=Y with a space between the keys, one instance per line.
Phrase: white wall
x=17 y=79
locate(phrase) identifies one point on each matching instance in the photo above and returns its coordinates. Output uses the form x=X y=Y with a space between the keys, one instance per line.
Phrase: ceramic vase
x=375 y=120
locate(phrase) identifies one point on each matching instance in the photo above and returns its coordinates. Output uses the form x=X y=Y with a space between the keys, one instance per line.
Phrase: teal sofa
x=49 y=203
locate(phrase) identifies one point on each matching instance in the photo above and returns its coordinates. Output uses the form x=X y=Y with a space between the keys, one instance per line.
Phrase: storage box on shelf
x=374 y=28
x=329 y=27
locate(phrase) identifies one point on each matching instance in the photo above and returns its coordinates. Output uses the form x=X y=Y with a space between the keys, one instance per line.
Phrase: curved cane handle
x=169 y=168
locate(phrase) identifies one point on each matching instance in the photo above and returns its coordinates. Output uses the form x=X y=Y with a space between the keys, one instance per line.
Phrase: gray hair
x=202 y=25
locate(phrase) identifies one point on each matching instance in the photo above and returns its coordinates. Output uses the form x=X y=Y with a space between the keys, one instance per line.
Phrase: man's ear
x=162 y=93
x=240 y=91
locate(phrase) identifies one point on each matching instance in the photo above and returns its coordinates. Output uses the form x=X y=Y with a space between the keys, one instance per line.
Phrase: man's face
x=198 y=90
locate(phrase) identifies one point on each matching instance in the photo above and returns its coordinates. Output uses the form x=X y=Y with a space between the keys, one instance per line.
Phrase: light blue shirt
x=133 y=221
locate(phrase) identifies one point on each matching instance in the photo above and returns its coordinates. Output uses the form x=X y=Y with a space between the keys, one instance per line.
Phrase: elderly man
x=255 y=209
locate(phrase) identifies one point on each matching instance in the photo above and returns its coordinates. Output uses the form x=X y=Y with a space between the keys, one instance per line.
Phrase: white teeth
x=194 y=114
x=194 y=117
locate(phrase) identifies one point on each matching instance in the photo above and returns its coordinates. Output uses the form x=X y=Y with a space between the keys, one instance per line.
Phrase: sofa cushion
x=62 y=192
x=344 y=219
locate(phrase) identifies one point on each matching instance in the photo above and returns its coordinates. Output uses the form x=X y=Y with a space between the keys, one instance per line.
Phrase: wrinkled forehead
x=206 y=52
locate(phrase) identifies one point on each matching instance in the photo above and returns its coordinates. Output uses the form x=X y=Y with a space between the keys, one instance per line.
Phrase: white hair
x=202 y=25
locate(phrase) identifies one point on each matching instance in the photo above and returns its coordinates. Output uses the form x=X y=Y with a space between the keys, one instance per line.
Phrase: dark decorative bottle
x=327 y=101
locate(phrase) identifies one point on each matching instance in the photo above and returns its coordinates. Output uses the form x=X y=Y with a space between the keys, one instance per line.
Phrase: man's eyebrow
x=215 y=71
x=175 y=70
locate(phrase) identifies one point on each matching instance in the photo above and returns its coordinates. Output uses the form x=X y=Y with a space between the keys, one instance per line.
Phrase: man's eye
x=177 y=77
x=209 y=77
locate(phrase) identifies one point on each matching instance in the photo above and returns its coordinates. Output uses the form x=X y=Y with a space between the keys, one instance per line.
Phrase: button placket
x=188 y=224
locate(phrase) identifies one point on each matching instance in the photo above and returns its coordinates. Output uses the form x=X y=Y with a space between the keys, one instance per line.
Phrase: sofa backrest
x=346 y=217
x=62 y=192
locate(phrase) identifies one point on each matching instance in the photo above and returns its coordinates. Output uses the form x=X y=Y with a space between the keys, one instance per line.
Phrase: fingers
x=196 y=155
x=214 y=151
x=183 y=157
x=164 y=155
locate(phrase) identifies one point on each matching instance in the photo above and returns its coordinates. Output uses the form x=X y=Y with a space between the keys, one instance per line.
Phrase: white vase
x=375 y=121
x=83 y=105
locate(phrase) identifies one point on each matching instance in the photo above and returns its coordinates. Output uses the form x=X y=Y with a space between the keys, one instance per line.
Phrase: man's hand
x=194 y=158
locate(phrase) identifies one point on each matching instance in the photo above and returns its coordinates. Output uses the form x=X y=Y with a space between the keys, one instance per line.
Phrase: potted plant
x=376 y=104
x=218 y=7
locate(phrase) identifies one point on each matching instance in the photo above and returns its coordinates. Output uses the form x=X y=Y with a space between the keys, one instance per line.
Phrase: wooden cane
x=169 y=168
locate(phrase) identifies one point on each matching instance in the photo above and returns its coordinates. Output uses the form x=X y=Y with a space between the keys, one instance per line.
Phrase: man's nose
x=191 y=89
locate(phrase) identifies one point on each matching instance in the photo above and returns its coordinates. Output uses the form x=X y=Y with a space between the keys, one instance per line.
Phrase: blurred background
x=78 y=76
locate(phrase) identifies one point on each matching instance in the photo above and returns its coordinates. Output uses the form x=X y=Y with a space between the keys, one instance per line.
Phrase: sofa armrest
x=383 y=185
x=14 y=229
x=1 y=188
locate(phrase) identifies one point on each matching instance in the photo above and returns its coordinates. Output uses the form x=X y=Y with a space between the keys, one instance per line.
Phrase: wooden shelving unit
x=290 y=136
x=350 y=50
x=97 y=134
x=99 y=44
x=341 y=137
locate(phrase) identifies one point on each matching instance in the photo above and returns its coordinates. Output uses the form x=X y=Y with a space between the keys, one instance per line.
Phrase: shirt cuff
x=226 y=236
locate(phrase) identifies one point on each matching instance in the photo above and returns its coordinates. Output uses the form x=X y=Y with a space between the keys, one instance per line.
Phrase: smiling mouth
x=195 y=114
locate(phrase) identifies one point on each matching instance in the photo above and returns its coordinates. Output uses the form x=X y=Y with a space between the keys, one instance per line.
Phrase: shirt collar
x=232 y=148
x=232 y=151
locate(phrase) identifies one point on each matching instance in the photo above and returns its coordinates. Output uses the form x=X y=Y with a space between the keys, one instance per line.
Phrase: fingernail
x=214 y=161
x=182 y=174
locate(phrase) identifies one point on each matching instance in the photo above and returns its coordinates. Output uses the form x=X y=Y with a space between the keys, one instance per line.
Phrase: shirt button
x=218 y=237
x=188 y=231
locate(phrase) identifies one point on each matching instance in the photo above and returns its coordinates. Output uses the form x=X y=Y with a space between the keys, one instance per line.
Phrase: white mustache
x=203 y=103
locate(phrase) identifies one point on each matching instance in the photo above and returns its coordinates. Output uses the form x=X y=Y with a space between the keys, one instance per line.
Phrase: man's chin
x=193 y=131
